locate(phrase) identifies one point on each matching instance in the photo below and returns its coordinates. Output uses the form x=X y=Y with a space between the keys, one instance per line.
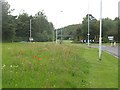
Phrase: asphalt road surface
x=110 y=49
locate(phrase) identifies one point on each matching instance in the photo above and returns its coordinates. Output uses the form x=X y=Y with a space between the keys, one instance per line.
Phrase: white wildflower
x=17 y=66
x=4 y=65
x=11 y=66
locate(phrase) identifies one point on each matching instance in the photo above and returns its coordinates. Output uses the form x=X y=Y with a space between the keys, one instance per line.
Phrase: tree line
x=78 y=32
x=17 y=28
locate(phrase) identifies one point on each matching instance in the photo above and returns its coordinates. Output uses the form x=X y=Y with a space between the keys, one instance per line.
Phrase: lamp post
x=30 y=38
x=30 y=31
x=61 y=37
x=61 y=32
x=56 y=31
x=53 y=35
x=88 y=25
x=56 y=36
x=100 y=37
x=56 y=28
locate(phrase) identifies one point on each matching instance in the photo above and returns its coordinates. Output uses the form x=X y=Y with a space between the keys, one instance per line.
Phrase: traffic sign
x=31 y=39
x=110 y=38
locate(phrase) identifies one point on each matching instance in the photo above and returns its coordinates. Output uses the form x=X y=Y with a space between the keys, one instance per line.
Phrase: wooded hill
x=78 y=32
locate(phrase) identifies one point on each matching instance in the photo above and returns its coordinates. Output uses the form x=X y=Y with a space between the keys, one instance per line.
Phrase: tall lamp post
x=88 y=25
x=61 y=32
x=56 y=31
x=56 y=36
x=53 y=35
x=30 y=38
x=61 y=37
x=100 y=37
x=30 y=31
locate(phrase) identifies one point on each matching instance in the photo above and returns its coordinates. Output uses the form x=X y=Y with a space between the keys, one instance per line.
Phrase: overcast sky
x=73 y=11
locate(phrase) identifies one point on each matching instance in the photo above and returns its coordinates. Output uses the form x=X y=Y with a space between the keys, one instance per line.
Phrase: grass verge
x=47 y=65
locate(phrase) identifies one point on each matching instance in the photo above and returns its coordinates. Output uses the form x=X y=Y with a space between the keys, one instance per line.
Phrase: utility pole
x=30 y=31
x=100 y=37
x=88 y=25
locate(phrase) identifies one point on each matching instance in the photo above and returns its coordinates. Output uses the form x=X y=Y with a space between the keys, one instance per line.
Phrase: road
x=112 y=50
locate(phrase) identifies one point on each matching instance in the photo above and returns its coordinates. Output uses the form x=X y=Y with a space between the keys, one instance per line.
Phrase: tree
x=22 y=31
x=42 y=29
x=93 y=29
x=69 y=31
x=109 y=29
x=8 y=23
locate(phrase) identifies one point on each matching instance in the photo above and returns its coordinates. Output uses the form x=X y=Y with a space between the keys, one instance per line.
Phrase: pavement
x=114 y=50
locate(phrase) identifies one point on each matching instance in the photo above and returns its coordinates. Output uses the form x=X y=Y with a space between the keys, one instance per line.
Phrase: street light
x=119 y=9
x=56 y=31
x=30 y=30
x=88 y=24
x=56 y=36
x=100 y=37
x=61 y=37
x=61 y=33
x=53 y=35
x=30 y=38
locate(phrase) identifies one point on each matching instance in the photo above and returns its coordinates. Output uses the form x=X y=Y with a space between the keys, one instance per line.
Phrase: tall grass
x=47 y=65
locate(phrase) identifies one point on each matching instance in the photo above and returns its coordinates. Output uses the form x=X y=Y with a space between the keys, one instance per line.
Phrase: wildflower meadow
x=47 y=65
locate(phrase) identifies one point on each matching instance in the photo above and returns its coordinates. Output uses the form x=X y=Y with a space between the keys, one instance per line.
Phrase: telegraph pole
x=100 y=37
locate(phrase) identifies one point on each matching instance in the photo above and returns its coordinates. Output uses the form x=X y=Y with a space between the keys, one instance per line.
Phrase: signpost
x=30 y=39
x=111 y=38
